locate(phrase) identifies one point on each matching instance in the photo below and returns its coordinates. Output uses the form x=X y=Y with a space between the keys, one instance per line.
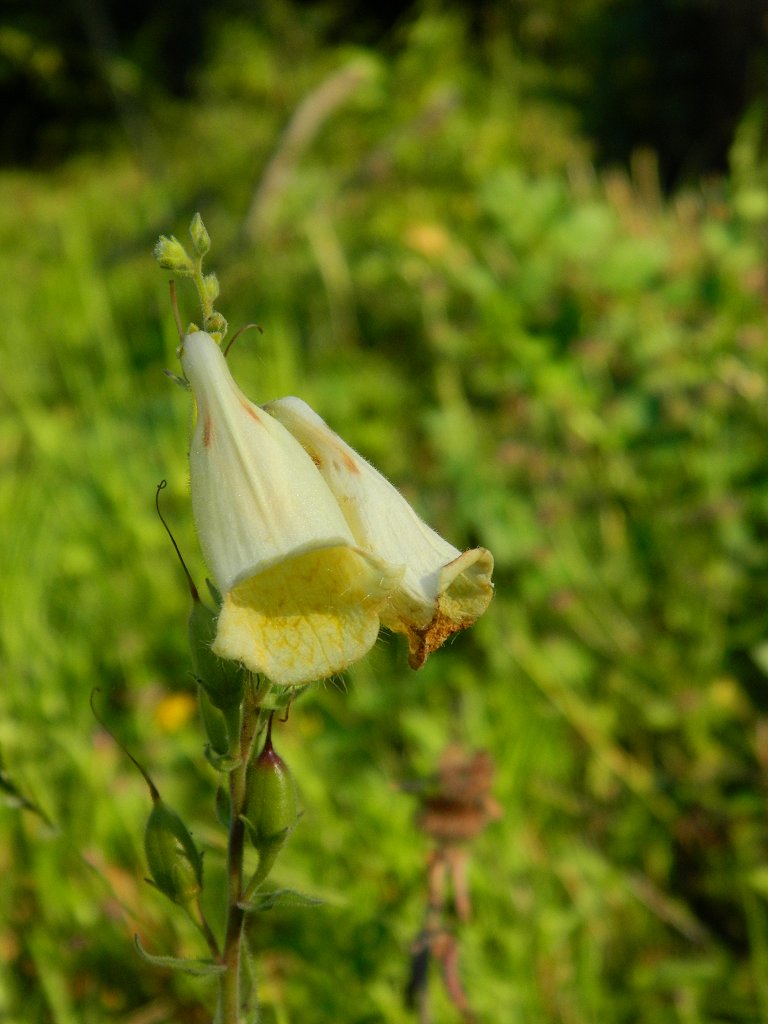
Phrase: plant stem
x=206 y=305
x=231 y=1008
x=230 y=982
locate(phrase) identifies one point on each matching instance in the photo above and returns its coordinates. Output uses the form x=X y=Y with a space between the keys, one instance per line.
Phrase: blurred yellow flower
x=175 y=710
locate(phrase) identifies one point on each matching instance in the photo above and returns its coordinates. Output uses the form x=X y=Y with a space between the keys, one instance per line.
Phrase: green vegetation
x=566 y=367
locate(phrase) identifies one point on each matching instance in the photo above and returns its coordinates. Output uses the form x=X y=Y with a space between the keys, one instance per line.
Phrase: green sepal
x=214 y=722
x=279 y=898
x=265 y=845
x=280 y=698
x=198 y=968
x=222 y=762
x=268 y=853
x=224 y=680
x=175 y=864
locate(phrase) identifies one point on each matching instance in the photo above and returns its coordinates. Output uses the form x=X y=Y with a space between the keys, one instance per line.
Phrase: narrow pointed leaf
x=279 y=898
x=198 y=968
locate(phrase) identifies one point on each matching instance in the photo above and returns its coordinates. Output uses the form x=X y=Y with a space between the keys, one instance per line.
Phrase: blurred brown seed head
x=460 y=805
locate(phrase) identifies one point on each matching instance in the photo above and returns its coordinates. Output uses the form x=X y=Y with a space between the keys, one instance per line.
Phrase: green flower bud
x=211 y=285
x=271 y=805
x=175 y=864
x=215 y=324
x=171 y=255
x=200 y=237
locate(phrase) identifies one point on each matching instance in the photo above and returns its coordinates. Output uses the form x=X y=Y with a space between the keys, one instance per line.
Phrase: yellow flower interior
x=306 y=618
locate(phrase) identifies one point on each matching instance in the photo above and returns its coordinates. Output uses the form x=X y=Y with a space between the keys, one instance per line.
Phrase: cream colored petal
x=257 y=497
x=305 y=618
x=442 y=590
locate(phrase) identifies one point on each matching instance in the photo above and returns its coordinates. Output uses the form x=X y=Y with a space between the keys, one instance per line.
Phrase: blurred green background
x=516 y=255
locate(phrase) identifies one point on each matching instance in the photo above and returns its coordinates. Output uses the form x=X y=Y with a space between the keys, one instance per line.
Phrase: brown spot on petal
x=207 y=431
x=349 y=463
x=253 y=413
x=342 y=460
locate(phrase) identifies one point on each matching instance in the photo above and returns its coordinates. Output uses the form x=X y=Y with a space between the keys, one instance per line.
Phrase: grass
x=564 y=366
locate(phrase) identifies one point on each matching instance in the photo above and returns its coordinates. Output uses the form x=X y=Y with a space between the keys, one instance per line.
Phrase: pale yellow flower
x=301 y=598
x=442 y=589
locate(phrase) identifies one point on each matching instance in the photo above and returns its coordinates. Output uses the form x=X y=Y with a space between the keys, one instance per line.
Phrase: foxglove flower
x=442 y=589
x=301 y=598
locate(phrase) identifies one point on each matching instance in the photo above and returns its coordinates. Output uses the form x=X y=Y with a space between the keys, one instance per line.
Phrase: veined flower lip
x=442 y=589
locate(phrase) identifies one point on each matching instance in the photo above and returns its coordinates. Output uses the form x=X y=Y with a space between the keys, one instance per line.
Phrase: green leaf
x=199 y=968
x=12 y=795
x=279 y=898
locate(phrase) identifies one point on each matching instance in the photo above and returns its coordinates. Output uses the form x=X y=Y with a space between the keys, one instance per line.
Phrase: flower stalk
x=230 y=984
x=234 y=1002
x=311 y=551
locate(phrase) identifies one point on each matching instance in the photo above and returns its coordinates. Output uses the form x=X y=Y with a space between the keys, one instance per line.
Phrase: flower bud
x=211 y=285
x=175 y=864
x=199 y=234
x=216 y=325
x=171 y=255
x=270 y=810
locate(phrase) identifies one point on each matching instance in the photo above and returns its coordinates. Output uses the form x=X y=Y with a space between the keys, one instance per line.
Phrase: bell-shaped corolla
x=442 y=589
x=300 y=598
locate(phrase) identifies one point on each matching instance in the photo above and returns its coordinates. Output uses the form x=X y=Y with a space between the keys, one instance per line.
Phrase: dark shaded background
x=671 y=75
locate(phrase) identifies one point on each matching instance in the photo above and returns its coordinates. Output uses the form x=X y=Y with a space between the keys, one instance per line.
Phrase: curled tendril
x=153 y=791
x=237 y=334
x=175 y=308
x=190 y=582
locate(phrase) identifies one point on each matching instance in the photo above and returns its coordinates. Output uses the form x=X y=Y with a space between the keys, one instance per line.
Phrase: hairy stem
x=231 y=1000
x=230 y=982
